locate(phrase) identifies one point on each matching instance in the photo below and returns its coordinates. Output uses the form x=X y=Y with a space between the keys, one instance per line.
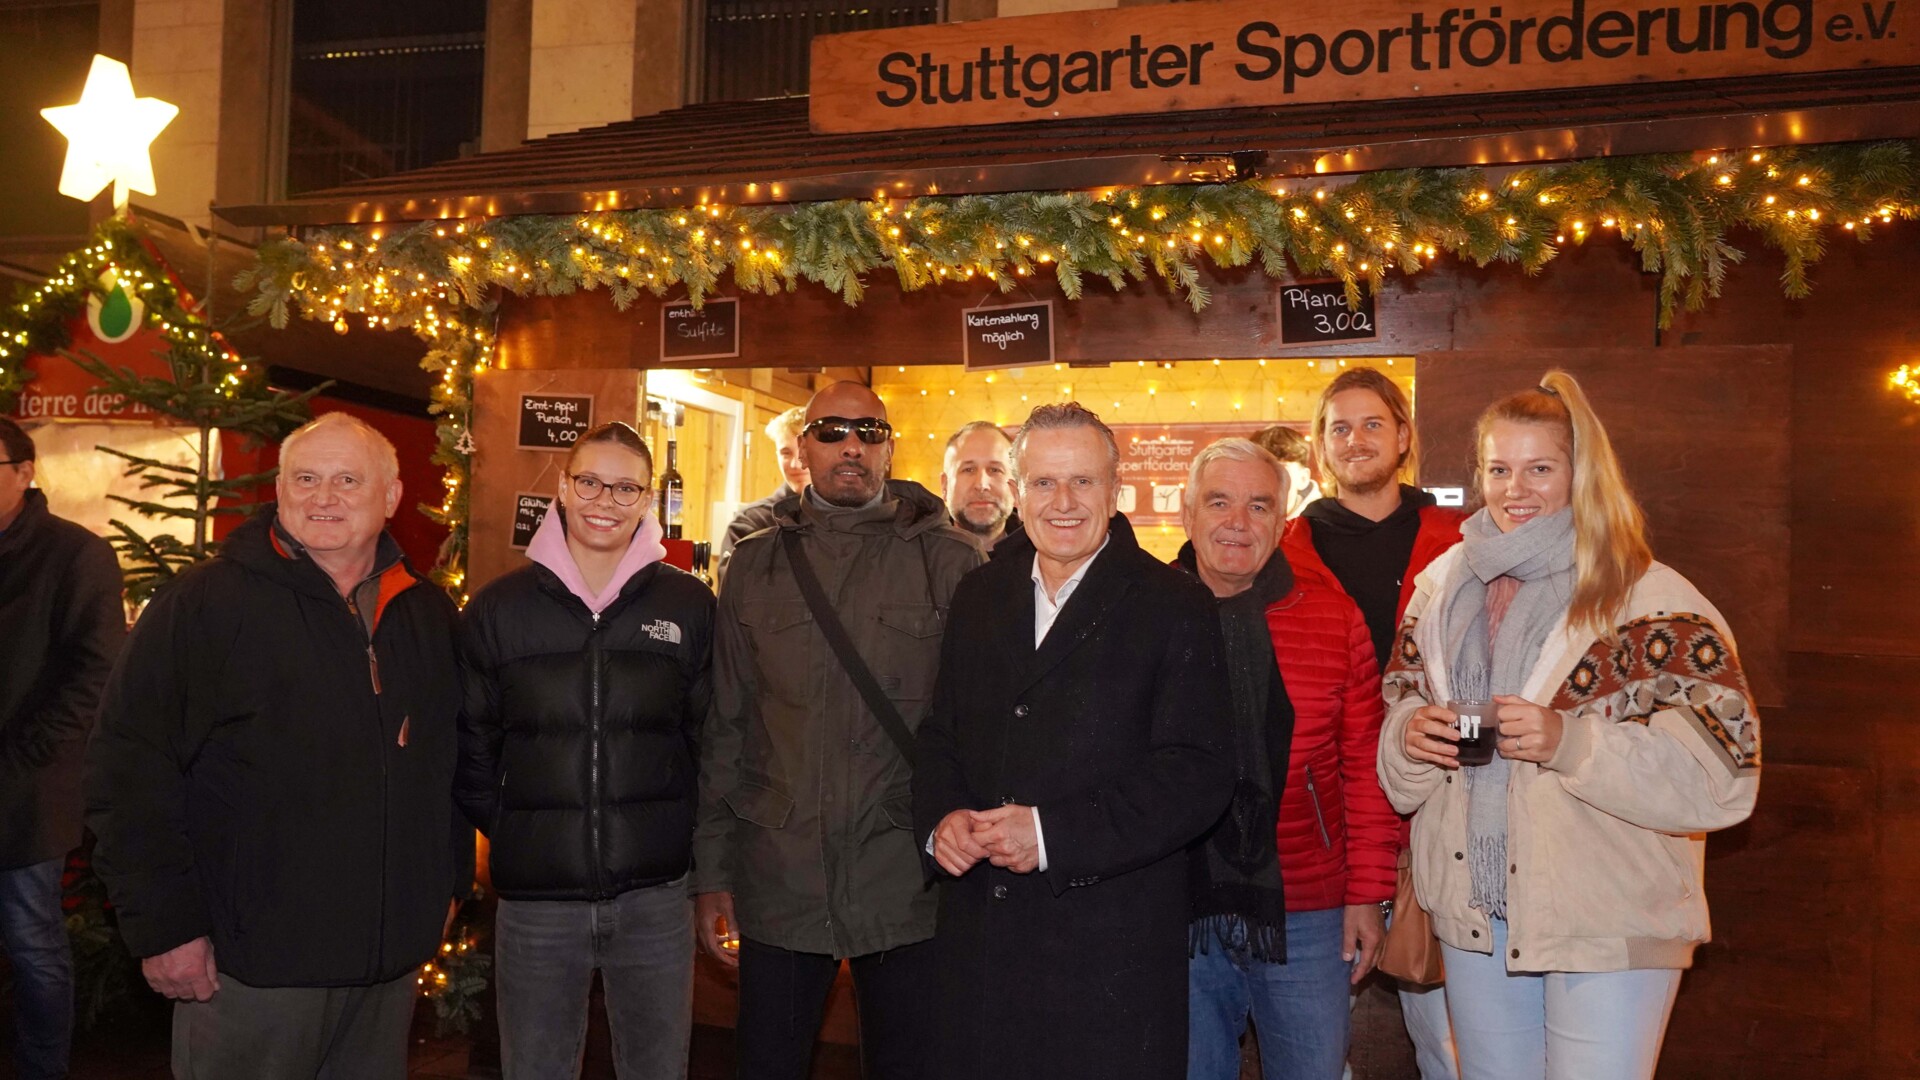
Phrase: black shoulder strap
x=836 y=634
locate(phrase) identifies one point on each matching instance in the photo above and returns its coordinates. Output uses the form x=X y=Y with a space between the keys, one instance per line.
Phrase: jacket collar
x=1270 y=585
x=1110 y=576
x=905 y=509
x=549 y=550
x=1439 y=530
x=1330 y=511
x=33 y=513
x=262 y=545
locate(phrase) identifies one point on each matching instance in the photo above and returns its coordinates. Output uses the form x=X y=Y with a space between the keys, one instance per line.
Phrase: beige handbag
x=1412 y=953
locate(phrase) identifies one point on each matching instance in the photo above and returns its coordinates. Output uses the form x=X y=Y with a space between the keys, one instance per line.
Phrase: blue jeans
x=546 y=952
x=1299 y=1008
x=1558 y=1025
x=35 y=936
x=1424 y=1010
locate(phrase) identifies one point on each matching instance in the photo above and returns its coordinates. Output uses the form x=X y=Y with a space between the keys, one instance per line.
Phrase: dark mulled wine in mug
x=1479 y=730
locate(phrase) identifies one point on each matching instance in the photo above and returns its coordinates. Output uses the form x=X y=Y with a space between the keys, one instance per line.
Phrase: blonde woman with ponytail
x=1564 y=876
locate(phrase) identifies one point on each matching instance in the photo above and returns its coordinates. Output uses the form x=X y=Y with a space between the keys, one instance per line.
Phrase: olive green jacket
x=805 y=809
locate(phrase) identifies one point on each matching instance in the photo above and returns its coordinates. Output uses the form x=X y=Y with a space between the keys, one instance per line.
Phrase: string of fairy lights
x=40 y=321
x=1907 y=381
x=1681 y=215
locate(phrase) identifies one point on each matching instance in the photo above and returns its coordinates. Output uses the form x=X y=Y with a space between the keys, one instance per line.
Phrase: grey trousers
x=546 y=951
x=295 y=1032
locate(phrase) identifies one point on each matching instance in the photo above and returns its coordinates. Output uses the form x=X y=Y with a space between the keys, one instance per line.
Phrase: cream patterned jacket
x=1606 y=841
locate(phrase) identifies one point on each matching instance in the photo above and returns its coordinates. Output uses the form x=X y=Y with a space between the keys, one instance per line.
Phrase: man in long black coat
x=1078 y=741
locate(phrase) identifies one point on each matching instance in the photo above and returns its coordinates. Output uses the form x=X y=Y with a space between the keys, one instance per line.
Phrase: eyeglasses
x=24 y=460
x=831 y=429
x=590 y=487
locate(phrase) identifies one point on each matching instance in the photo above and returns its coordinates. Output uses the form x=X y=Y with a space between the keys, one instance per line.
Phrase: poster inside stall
x=71 y=418
x=1155 y=459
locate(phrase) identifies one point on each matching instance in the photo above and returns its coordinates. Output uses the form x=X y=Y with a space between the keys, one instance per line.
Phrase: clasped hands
x=1004 y=836
x=1528 y=732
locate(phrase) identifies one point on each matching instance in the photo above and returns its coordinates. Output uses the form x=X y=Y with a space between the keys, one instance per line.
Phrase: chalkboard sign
x=554 y=421
x=709 y=332
x=1316 y=313
x=529 y=507
x=1011 y=335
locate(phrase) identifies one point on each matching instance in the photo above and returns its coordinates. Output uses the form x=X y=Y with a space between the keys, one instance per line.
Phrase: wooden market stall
x=1775 y=462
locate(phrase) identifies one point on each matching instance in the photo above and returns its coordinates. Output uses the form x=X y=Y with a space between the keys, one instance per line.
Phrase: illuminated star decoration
x=108 y=134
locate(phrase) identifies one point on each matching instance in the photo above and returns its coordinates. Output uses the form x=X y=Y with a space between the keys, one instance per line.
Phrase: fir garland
x=39 y=320
x=207 y=386
x=1678 y=212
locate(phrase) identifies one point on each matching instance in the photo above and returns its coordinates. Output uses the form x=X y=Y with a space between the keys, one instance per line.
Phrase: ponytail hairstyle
x=1610 y=552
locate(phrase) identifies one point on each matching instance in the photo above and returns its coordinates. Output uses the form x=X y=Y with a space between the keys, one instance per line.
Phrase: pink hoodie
x=549 y=549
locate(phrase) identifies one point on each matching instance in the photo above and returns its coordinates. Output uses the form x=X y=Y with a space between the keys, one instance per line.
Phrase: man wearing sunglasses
x=827 y=643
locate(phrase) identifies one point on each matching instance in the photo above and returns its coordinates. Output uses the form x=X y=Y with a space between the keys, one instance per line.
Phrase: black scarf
x=1233 y=872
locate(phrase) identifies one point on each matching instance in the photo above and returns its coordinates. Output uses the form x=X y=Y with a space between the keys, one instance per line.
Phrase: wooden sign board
x=1217 y=54
x=529 y=509
x=708 y=332
x=1316 y=313
x=554 y=421
x=1009 y=335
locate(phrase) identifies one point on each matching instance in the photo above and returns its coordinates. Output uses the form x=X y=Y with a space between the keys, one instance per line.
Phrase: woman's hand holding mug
x=1431 y=735
x=1528 y=732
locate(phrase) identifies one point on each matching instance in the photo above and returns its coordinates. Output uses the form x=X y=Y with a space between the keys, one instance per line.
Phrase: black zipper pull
x=373 y=668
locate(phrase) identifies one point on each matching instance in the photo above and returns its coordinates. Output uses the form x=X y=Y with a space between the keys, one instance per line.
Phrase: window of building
x=760 y=48
x=379 y=87
x=45 y=50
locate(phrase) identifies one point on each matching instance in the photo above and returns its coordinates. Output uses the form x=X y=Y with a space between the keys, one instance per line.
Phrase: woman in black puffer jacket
x=588 y=677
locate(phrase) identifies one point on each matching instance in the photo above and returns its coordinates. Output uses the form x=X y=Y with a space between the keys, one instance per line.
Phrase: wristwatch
x=1386 y=909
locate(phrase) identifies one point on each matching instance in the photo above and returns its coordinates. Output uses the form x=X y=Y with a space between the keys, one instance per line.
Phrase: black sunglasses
x=831 y=429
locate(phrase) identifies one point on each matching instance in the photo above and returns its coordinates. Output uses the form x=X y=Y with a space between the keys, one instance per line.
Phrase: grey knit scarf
x=1540 y=554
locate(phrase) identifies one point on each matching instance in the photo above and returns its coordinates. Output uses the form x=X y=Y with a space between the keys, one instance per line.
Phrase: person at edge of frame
x=63 y=625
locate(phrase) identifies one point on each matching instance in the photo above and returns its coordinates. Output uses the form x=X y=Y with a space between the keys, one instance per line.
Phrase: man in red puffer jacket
x=1368 y=543
x=1337 y=836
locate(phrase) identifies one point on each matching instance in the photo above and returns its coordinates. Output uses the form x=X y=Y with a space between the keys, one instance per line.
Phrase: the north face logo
x=662 y=630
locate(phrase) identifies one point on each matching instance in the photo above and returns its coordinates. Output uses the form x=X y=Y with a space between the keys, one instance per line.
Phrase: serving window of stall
x=1162 y=413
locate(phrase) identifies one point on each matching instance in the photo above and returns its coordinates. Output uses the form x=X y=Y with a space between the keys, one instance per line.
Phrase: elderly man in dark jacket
x=62 y=622
x=1078 y=742
x=272 y=780
x=804 y=840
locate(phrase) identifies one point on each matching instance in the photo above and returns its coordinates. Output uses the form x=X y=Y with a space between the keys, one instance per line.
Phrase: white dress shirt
x=1046 y=609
